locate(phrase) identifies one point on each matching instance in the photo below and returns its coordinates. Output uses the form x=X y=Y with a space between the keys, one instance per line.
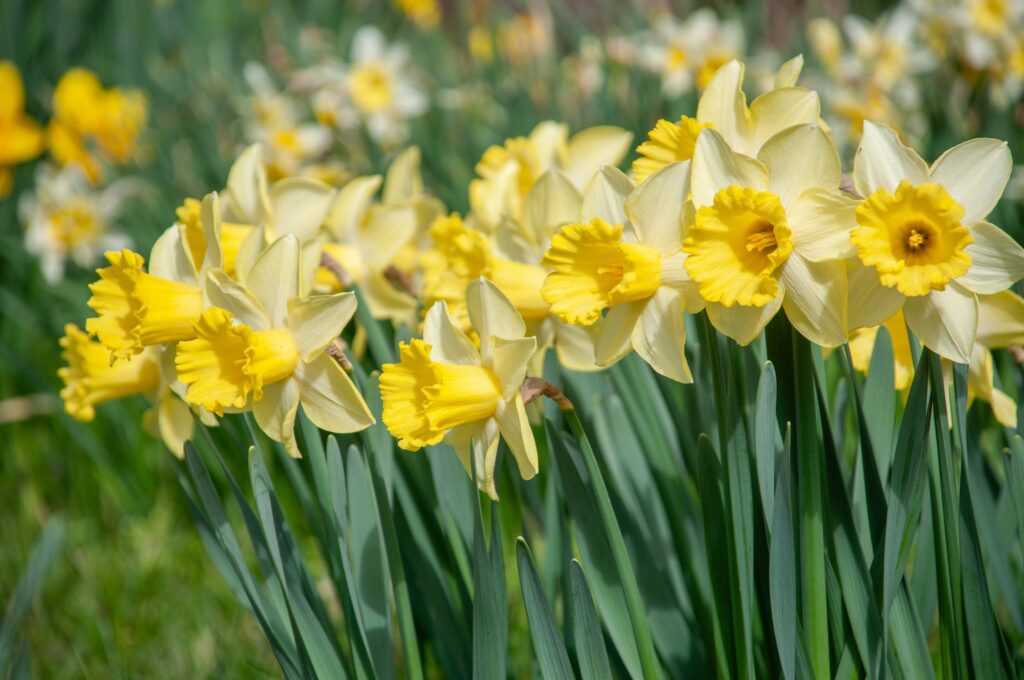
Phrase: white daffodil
x=262 y=347
x=627 y=259
x=771 y=233
x=921 y=240
x=66 y=219
x=446 y=388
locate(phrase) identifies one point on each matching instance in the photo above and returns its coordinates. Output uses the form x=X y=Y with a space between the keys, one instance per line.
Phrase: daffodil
x=723 y=106
x=627 y=259
x=506 y=173
x=424 y=13
x=67 y=219
x=771 y=233
x=262 y=347
x=444 y=388
x=21 y=136
x=921 y=240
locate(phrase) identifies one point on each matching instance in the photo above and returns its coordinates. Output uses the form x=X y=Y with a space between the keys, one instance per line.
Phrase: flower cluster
x=738 y=210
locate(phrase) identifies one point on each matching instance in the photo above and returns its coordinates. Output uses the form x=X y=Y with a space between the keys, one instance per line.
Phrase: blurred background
x=171 y=93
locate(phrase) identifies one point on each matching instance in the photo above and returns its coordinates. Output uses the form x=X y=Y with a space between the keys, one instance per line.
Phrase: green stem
x=403 y=606
x=382 y=350
x=634 y=603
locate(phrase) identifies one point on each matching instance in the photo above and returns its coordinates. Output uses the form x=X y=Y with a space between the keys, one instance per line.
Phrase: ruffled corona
x=594 y=269
x=736 y=245
x=423 y=399
x=667 y=143
x=914 y=239
x=90 y=379
x=137 y=309
x=228 y=362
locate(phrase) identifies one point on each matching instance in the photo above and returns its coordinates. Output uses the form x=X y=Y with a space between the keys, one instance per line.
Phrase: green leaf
x=716 y=541
x=1015 y=478
x=547 y=642
x=880 y=401
x=782 y=568
x=766 y=434
x=490 y=601
x=591 y=654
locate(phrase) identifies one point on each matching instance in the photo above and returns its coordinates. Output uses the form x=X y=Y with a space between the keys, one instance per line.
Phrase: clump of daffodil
x=506 y=173
x=723 y=106
x=263 y=347
x=86 y=116
x=628 y=260
x=66 y=219
x=444 y=388
x=21 y=136
x=771 y=233
x=922 y=242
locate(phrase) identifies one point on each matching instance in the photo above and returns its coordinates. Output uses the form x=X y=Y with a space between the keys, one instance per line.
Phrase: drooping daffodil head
x=921 y=240
x=262 y=346
x=446 y=388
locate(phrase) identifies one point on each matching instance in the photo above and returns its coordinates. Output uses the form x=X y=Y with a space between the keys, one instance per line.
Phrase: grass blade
x=591 y=654
x=547 y=642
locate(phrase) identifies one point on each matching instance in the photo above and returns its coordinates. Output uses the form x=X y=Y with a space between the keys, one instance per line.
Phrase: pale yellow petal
x=800 y=158
x=247 y=188
x=975 y=174
x=515 y=428
x=742 y=323
x=593 y=148
x=716 y=167
x=549 y=140
x=775 y=111
x=821 y=221
x=552 y=201
x=574 y=345
x=657 y=209
x=346 y=213
x=945 y=321
x=997 y=261
x=210 y=217
x=815 y=300
x=491 y=313
x=385 y=301
x=448 y=344
x=389 y=229
x=724 y=105
x=605 y=196
x=403 y=181
x=317 y=320
x=1000 y=320
x=224 y=292
x=174 y=419
x=274 y=278
x=883 y=161
x=330 y=398
x=659 y=336
x=615 y=337
x=789 y=73
x=510 y=360
x=169 y=258
x=300 y=206
x=275 y=414
x=870 y=303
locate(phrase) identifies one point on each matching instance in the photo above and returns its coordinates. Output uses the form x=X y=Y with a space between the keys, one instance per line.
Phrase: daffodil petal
x=515 y=428
x=716 y=167
x=226 y=293
x=247 y=187
x=815 y=300
x=250 y=250
x=997 y=261
x=595 y=147
x=553 y=201
x=476 y=445
x=448 y=344
x=1000 y=320
x=329 y=397
x=605 y=196
x=821 y=220
x=300 y=206
x=390 y=228
x=491 y=314
x=385 y=301
x=346 y=213
x=510 y=360
x=615 y=338
x=659 y=337
x=275 y=414
x=779 y=109
x=945 y=321
x=724 y=105
x=210 y=217
x=870 y=303
x=656 y=208
x=174 y=420
x=882 y=161
x=316 y=321
x=743 y=323
x=403 y=181
x=975 y=174
x=789 y=73
x=169 y=258
x=574 y=345
x=800 y=158
x=274 y=278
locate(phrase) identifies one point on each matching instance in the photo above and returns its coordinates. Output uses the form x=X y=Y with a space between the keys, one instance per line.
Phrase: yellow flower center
x=75 y=223
x=228 y=362
x=90 y=379
x=594 y=270
x=736 y=245
x=371 y=88
x=914 y=239
x=990 y=17
x=423 y=399
x=676 y=58
x=137 y=309
x=667 y=143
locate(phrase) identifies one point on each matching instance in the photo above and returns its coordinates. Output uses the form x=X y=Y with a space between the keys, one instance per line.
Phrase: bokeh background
x=131 y=592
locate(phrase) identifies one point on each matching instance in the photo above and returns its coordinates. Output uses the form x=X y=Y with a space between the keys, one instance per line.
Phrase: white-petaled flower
x=67 y=219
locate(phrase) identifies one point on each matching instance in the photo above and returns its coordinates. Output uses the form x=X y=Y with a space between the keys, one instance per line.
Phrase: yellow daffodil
x=446 y=388
x=723 y=106
x=506 y=173
x=424 y=13
x=21 y=136
x=67 y=219
x=771 y=233
x=922 y=241
x=628 y=260
x=90 y=378
x=862 y=345
x=263 y=347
